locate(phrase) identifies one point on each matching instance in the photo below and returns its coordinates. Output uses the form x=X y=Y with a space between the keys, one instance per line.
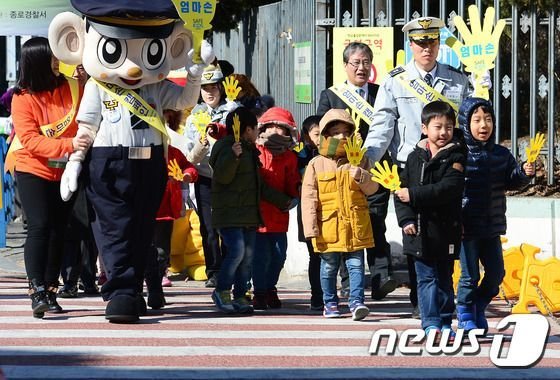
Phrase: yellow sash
x=135 y=104
x=422 y=91
x=356 y=103
x=52 y=130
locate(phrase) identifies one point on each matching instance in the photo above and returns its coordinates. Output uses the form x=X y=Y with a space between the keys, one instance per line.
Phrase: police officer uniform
x=396 y=126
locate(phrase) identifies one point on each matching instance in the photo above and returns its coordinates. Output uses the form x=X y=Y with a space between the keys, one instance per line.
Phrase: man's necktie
x=428 y=79
x=361 y=92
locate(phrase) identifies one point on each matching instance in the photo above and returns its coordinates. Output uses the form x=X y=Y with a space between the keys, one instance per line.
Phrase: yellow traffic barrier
x=540 y=283
x=457 y=269
x=513 y=264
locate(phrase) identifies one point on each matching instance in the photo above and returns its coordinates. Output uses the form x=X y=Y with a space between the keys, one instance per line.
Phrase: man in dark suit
x=357 y=58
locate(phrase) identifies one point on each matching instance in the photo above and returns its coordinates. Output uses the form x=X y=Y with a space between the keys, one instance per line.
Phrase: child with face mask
x=279 y=170
x=335 y=212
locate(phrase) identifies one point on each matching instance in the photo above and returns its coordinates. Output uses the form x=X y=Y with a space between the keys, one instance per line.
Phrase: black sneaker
x=386 y=286
x=68 y=291
x=210 y=283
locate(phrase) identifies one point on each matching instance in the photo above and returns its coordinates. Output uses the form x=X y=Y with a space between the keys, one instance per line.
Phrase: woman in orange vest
x=43 y=110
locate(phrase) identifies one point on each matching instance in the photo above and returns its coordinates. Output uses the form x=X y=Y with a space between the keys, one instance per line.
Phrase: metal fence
x=524 y=81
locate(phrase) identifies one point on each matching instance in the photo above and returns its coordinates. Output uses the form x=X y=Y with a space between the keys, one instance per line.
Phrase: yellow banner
x=380 y=41
x=355 y=102
x=422 y=91
x=135 y=104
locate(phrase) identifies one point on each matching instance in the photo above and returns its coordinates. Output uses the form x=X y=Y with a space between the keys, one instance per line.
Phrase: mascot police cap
x=129 y=19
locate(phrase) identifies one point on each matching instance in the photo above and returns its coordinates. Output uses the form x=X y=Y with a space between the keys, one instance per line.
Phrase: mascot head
x=128 y=43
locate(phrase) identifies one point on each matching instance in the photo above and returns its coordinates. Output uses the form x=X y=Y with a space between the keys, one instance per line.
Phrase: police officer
x=396 y=127
x=357 y=58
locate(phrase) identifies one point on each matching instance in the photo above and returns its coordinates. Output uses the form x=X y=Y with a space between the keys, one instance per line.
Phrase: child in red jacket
x=277 y=135
x=171 y=207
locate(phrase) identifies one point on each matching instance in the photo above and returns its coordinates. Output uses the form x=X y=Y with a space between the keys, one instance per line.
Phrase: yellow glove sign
x=298 y=147
x=534 y=148
x=480 y=43
x=174 y=171
x=201 y=120
x=236 y=127
x=196 y=15
x=354 y=151
x=386 y=177
x=231 y=86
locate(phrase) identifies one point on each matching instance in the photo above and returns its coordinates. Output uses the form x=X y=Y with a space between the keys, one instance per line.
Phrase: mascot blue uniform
x=127 y=48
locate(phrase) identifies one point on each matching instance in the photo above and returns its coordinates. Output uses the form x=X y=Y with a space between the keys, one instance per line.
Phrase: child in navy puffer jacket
x=491 y=170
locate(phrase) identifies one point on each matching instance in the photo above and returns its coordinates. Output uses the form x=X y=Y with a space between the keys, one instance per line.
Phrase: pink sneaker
x=102 y=278
x=165 y=282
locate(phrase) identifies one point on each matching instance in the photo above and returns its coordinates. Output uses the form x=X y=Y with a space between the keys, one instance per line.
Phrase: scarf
x=275 y=143
x=332 y=148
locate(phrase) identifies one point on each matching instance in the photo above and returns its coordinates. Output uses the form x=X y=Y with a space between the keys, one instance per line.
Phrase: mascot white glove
x=69 y=181
x=484 y=80
x=230 y=106
x=206 y=53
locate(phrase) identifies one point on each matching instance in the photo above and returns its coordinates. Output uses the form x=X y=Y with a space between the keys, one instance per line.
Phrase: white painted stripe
x=184 y=334
x=169 y=351
x=314 y=320
x=193 y=334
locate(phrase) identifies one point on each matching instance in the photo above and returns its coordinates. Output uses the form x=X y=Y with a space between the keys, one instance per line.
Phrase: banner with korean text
x=379 y=39
x=30 y=17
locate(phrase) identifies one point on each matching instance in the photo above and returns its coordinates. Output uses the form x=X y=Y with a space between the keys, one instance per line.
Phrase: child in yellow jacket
x=335 y=212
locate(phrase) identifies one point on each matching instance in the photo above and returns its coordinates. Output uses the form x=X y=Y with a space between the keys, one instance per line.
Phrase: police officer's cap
x=423 y=28
x=211 y=74
x=129 y=19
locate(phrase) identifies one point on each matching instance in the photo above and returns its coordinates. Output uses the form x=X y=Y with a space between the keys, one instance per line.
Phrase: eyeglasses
x=356 y=64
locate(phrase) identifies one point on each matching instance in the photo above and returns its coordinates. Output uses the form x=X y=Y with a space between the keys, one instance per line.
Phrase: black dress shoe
x=68 y=291
x=386 y=286
x=122 y=309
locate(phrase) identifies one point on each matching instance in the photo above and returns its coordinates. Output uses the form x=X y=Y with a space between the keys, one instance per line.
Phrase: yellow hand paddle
x=354 y=150
x=197 y=16
x=481 y=44
x=385 y=176
x=534 y=148
x=236 y=127
x=201 y=120
x=174 y=171
x=231 y=86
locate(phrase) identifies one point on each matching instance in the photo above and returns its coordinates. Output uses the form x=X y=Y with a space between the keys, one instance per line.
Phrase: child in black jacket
x=428 y=208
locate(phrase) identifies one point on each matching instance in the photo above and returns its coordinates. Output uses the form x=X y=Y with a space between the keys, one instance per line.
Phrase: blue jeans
x=489 y=252
x=435 y=291
x=268 y=261
x=236 y=266
x=329 y=269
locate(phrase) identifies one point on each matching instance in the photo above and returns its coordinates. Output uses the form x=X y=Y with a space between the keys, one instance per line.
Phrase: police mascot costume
x=127 y=48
